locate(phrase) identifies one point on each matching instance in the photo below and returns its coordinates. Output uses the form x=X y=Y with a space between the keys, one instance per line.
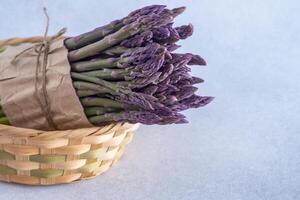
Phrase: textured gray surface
x=245 y=145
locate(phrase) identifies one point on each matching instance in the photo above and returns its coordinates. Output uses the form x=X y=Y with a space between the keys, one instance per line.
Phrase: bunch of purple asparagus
x=127 y=70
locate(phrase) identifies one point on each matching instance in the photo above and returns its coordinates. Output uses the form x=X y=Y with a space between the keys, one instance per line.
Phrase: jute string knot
x=42 y=49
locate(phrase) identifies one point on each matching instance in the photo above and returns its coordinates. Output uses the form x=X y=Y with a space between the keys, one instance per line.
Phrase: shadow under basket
x=36 y=157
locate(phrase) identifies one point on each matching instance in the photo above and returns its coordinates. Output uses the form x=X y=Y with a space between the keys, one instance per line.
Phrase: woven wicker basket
x=54 y=157
x=36 y=157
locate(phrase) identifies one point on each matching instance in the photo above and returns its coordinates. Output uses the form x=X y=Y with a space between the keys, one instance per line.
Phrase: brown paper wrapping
x=17 y=89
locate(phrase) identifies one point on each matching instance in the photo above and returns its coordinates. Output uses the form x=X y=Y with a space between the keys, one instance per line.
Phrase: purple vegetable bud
x=165 y=82
x=140 y=55
x=197 y=60
x=161 y=97
x=143 y=63
x=192 y=102
x=183 y=82
x=161 y=88
x=170 y=99
x=184 y=69
x=150 y=90
x=172 y=88
x=161 y=33
x=165 y=91
x=172 y=47
x=166 y=85
x=152 y=21
x=154 y=64
x=174 y=118
x=186 y=92
x=194 y=59
x=166 y=71
x=144 y=81
x=145 y=11
x=165 y=35
x=174 y=12
x=135 y=99
x=196 y=80
x=167 y=54
x=143 y=117
x=174 y=36
x=197 y=101
x=138 y=40
x=179 y=75
x=146 y=117
x=177 y=11
x=181 y=121
x=161 y=110
x=185 y=31
x=180 y=60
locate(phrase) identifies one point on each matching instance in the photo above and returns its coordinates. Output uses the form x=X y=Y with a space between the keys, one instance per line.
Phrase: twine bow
x=42 y=49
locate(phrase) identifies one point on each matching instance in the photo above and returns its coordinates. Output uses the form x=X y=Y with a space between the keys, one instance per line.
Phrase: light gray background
x=245 y=145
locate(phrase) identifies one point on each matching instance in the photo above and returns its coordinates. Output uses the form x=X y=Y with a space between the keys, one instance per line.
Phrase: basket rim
x=12 y=131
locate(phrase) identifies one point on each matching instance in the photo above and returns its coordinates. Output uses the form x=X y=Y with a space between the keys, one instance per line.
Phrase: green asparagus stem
x=2 y=114
x=124 y=95
x=146 y=117
x=132 y=27
x=103 y=102
x=101 y=32
x=87 y=93
x=94 y=64
x=118 y=50
x=4 y=120
x=108 y=74
x=81 y=85
x=107 y=42
x=127 y=84
x=100 y=119
x=108 y=85
x=93 y=36
x=92 y=111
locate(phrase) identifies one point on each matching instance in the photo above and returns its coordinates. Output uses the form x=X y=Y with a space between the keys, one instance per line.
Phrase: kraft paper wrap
x=17 y=89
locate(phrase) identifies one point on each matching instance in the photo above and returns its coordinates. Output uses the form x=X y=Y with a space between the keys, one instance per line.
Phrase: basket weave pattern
x=53 y=157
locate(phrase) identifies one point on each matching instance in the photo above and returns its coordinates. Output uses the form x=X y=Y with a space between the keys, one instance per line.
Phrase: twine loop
x=42 y=49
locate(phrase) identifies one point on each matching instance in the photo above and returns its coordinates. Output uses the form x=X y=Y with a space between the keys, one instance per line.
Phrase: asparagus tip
x=178 y=11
